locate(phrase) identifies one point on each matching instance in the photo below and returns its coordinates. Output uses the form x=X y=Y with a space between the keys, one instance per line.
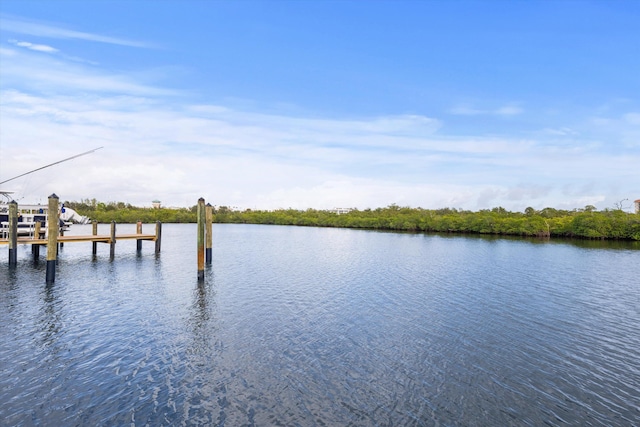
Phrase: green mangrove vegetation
x=586 y=223
x=126 y=213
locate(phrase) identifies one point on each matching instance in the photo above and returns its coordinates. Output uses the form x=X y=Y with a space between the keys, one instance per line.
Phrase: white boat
x=29 y=215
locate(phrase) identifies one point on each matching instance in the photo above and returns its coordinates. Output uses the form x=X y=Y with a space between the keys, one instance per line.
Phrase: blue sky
x=323 y=104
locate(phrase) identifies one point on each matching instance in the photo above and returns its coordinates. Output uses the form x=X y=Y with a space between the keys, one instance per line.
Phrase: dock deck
x=86 y=238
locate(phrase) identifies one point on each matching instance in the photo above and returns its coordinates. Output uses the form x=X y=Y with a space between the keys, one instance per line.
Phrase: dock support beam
x=209 y=229
x=112 y=244
x=158 y=236
x=53 y=226
x=201 y=221
x=13 y=233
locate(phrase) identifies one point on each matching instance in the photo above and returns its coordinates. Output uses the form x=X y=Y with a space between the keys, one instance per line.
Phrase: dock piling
x=112 y=243
x=13 y=233
x=53 y=226
x=94 y=231
x=35 y=248
x=139 y=231
x=201 y=221
x=38 y=233
x=209 y=244
x=158 y=236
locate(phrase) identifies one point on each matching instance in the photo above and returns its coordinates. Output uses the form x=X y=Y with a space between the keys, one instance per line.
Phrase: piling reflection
x=203 y=362
x=49 y=320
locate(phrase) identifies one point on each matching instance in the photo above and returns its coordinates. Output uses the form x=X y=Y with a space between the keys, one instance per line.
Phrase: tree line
x=123 y=213
x=586 y=223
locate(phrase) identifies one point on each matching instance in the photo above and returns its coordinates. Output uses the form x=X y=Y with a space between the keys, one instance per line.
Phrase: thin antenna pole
x=55 y=163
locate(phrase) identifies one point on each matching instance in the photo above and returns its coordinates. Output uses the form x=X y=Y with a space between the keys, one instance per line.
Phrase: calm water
x=309 y=326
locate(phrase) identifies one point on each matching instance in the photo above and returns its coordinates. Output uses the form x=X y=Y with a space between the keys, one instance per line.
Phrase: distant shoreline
x=584 y=223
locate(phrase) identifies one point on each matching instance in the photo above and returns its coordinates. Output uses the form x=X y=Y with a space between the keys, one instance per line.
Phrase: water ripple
x=309 y=326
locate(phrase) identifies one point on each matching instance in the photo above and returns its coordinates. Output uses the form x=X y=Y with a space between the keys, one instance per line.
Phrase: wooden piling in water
x=35 y=248
x=112 y=243
x=139 y=231
x=158 y=236
x=94 y=225
x=208 y=233
x=13 y=233
x=201 y=221
x=53 y=226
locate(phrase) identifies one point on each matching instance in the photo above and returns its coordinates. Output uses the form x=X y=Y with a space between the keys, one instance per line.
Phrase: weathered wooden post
x=201 y=220
x=61 y=233
x=209 y=220
x=53 y=226
x=35 y=248
x=139 y=231
x=94 y=225
x=13 y=233
x=112 y=243
x=158 y=236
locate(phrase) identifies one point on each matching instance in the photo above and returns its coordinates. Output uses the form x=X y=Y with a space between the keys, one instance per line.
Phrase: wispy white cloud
x=6 y=52
x=158 y=144
x=563 y=131
x=508 y=110
x=22 y=26
x=33 y=46
x=624 y=127
x=25 y=69
x=251 y=159
x=632 y=118
x=45 y=49
x=468 y=110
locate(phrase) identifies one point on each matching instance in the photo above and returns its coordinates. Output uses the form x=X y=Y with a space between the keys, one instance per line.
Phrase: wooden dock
x=52 y=238
x=87 y=238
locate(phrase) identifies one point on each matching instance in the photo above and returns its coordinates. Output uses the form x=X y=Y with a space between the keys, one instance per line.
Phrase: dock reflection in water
x=311 y=326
